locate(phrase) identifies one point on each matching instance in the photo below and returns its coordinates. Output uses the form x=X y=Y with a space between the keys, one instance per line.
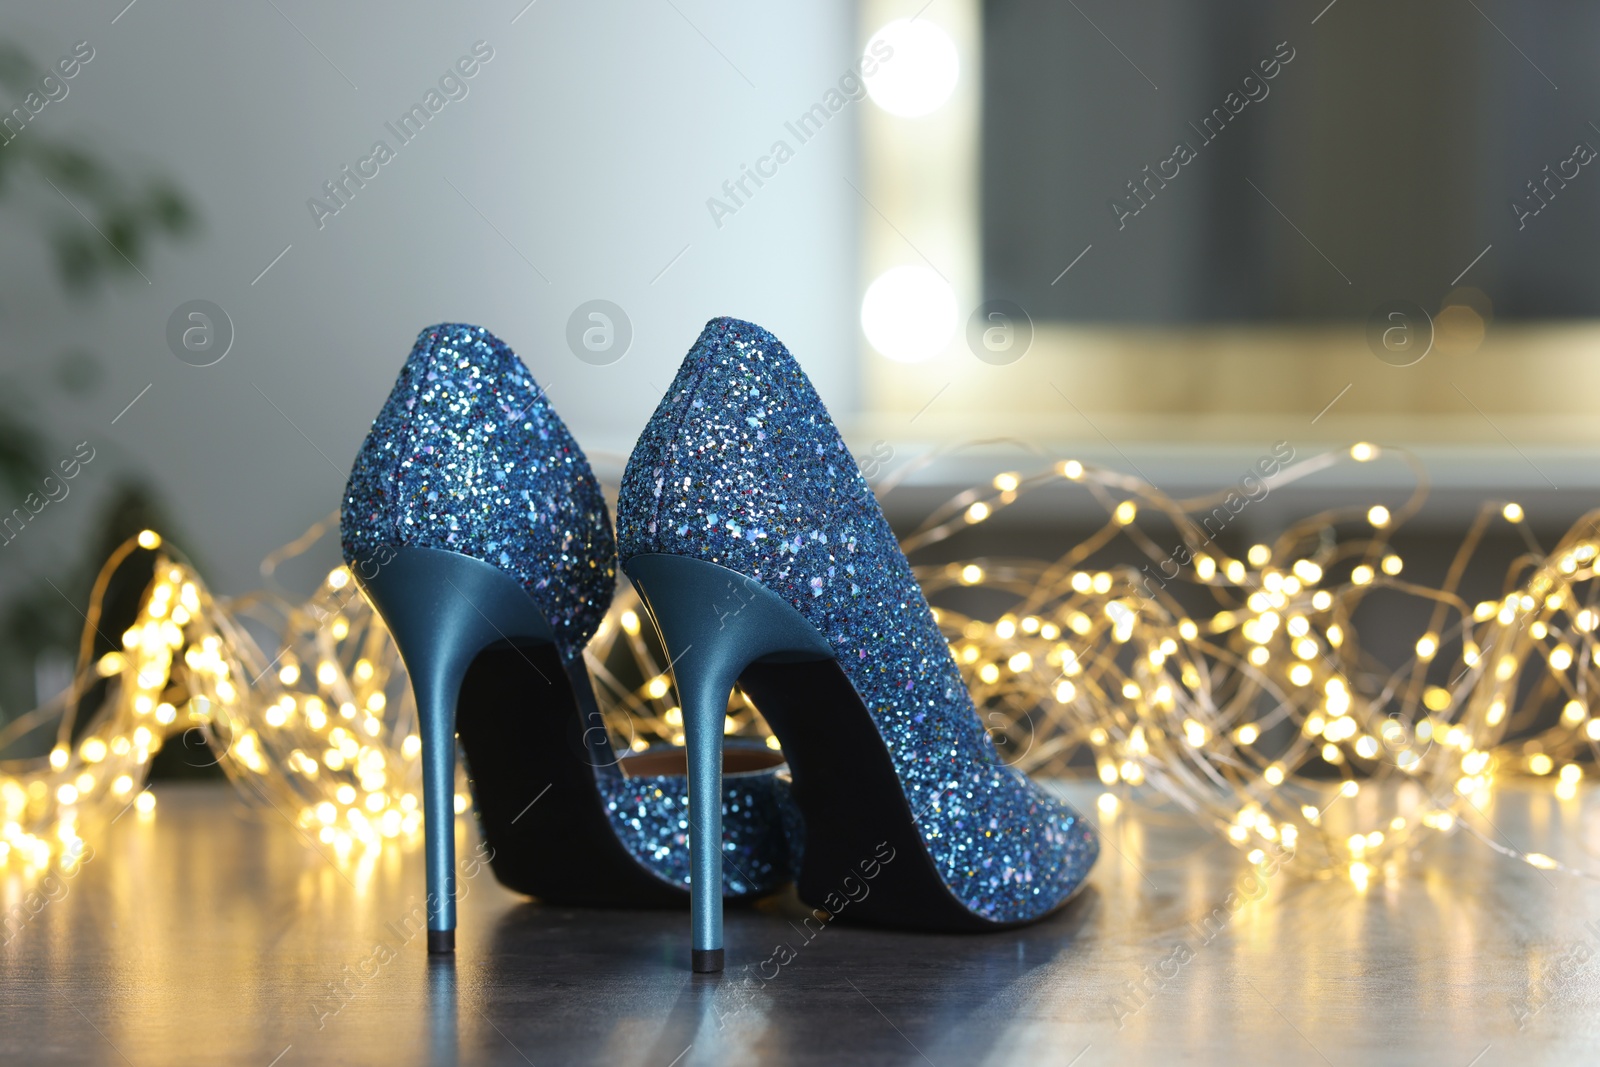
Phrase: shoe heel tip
x=441 y=942
x=706 y=960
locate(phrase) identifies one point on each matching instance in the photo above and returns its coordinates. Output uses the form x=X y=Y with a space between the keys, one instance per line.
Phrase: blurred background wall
x=576 y=167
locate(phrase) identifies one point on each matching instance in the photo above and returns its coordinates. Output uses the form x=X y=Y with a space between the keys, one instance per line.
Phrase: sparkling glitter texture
x=760 y=827
x=742 y=466
x=467 y=455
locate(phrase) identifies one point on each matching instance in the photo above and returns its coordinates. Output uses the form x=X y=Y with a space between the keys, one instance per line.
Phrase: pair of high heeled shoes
x=473 y=523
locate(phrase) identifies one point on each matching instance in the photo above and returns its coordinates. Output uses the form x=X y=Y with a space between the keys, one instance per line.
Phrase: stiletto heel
x=749 y=530
x=714 y=624
x=443 y=609
x=474 y=525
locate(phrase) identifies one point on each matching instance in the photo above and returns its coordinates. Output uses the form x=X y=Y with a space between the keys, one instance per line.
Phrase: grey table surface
x=214 y=933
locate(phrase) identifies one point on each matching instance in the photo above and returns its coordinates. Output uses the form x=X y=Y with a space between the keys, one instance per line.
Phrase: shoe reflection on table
x=794 y=990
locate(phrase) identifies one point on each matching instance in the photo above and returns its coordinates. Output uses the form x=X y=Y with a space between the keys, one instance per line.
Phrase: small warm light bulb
x=909 y=313
x=921 y=72
x=1378 y=515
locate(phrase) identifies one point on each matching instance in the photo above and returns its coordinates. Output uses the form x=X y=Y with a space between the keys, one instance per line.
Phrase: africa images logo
x=852 y=86
x=452 y=86
x=1254 y=90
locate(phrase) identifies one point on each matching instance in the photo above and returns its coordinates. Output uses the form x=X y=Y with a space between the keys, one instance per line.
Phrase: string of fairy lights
x=1263 y=715
x=1236 y=688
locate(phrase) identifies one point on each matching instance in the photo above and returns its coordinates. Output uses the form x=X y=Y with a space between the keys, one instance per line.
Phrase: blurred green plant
x=128 y=213
x=122 y=218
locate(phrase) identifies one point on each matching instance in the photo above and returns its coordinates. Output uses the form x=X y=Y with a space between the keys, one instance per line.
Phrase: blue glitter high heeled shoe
x=765 y=561
x=474 y=525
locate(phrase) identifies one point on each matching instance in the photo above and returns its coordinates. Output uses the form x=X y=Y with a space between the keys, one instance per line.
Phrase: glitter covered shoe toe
x=765 y=559
x=474 y=525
